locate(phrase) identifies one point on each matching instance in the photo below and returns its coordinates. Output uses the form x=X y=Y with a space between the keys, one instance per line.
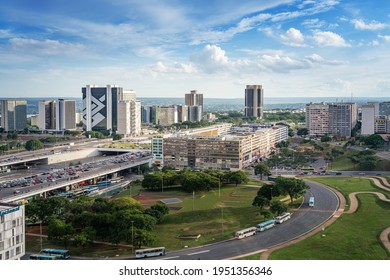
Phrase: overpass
x=98 y=172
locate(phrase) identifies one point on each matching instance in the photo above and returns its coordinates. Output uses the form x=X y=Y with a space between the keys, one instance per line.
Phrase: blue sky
x=161 y=48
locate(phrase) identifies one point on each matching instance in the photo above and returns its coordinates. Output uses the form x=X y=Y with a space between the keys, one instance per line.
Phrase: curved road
x=303 y=220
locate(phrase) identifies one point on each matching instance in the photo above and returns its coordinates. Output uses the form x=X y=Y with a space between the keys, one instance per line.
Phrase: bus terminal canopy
x=171 y=200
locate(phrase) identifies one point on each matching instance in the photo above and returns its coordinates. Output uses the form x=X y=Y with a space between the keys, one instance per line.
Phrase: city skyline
x=325 y=48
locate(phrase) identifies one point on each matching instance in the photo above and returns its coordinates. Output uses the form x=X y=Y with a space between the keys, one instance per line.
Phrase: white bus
x=245 y=233
x=150 y=252
x=311 y=201
x=282 y=218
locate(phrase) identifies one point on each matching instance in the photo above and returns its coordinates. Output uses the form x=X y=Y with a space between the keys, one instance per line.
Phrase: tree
x=302 y=131
x=86 y=237
x=117 y=137
x=266 y=214
x=291 y=186
x=375 y=141
x=326 y=138
x=262 y=169
x=260 y=201
x=153 y=181
x=236 y=177
x=33 y=145
x=278 y=207
x=268 y=191
x=142 y=238
x=59 y=230
x=291 y=132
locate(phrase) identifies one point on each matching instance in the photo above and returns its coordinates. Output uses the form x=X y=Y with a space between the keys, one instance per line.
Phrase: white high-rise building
x=129 y=118
x=368 y=119
x=47 y=114
x=13 y=115
x=66 y=114
x=12 y=231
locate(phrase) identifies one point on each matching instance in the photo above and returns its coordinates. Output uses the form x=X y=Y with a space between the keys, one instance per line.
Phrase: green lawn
x=343 y=163
x=352 y=236
x=214 y=217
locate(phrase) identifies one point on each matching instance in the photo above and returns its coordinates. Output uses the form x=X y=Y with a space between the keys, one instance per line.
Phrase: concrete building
x=157 y=150
x=334 y=119
x=368 y=119
x=195 y=113
x=182 y=113
x=47 y=114
x=167 y=115
x=194 y=101
x=66 y=114
x=149 y=114
x=100 y=111
x=232 y=151
x=129 y=118
x=254 y=101
x=13 y=115
x=193 y=98
x=380 y=125
x=317 y=118
x=12 y=231
x=34 y=120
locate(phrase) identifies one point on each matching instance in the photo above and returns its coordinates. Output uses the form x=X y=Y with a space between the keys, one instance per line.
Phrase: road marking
x=170 y=258
x=196 y=253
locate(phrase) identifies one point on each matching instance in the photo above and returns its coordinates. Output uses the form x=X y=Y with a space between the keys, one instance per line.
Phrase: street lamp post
x=132 y=236
x=271 y=192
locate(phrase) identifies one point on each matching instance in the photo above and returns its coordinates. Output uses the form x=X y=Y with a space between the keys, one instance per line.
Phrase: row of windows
x=11 y=253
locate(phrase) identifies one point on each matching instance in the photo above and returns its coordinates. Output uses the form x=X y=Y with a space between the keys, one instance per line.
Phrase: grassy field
x=352 y=236
x=343 y=163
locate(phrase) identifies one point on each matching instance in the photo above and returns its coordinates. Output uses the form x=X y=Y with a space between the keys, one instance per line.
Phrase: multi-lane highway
x=302 y=221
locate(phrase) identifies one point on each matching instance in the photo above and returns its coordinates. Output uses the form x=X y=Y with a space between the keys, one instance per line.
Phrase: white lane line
x=170 y=258
x=196 y=253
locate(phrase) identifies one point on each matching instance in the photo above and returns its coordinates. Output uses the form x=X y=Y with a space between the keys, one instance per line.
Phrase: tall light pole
x=162 y=182
x=132 y=236
x=222 y=219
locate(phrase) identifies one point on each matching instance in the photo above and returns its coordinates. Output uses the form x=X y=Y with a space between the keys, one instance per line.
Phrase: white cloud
x=44 y=47
x=385 y=38
x=5 y=33
x=211 y=59
x=175 y=67
x=329 y=39
x=374 y=43
x=373 y=25
x=293 y=37
x=384 y=86
x=313 y=23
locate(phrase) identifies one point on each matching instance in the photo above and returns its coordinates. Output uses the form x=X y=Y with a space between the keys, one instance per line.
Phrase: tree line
x=189 y=180
x=85 y=219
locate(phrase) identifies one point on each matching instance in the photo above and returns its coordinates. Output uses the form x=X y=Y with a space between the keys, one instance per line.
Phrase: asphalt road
x=301 y=222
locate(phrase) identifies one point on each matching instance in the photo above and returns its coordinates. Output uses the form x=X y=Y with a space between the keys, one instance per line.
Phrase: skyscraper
x=194 y=101
x=129 y=118
x=100 y=106
x=66 y=114
x=13 y=115
x=254 y=103
x=47 y=114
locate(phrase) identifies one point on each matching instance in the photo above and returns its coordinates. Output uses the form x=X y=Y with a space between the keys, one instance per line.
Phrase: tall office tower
x=47 y=114
x=182 y=113
x=317 y=118
x=149 y=114
x=335 y=119
x=167 y=115
x=12 y=231
x=129 y=118
x=100 y=106
x=13 y=115
x=384 y=109
x=194 y=99
x=66 y=114
x=195 y=113
x=368 y=118
x=342 y=118
x=254 y=103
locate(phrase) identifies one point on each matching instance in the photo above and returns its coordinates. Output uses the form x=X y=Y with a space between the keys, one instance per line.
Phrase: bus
x=150 y=252
x=42 y=257
x=311 y=201
x=245 y=233
x=308 y=169
x=282 y=218
x=265 y=225
x=59 y=253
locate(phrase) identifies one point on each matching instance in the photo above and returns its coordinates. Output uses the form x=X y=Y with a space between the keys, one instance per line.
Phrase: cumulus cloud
x=385 y=38
x=329 y=39
x=373 y=25
x=211 y=59
x=293 y=37
x=175 y=67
